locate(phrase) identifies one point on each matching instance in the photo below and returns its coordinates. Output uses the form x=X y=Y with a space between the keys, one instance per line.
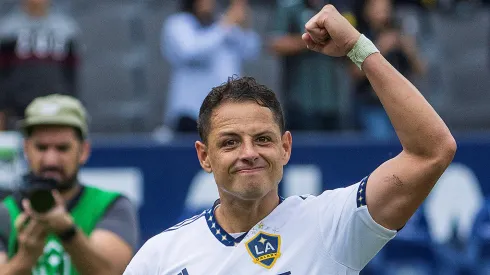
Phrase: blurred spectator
x=38 y=56
x=376 y=20
x=419 y=3
x=458 y=5
x=204 y=50
x=310 y=97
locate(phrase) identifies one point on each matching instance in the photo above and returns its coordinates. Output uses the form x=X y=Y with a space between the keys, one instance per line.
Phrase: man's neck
x=71 y=193
x=235 y=215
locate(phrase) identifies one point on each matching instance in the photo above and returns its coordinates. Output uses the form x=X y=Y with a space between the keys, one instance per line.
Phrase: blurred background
x=142 y=68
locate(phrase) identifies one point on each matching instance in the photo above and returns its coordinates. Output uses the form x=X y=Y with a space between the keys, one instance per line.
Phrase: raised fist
x=330 y=33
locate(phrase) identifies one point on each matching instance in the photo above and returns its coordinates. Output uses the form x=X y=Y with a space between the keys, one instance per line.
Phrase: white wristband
x=362 y=49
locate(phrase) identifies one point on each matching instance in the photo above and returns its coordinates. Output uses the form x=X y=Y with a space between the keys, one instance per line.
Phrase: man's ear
x=202 y=155
x=287 y=144
x=86 y=149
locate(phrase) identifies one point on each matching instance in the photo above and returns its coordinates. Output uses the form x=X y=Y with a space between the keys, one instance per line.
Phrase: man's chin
x=63 y=185
x=255 y=192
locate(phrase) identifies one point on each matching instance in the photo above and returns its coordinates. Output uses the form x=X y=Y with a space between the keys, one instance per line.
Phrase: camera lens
x=41 y=200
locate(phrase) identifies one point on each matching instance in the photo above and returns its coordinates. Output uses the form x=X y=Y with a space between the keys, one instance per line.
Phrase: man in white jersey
x=250 y=229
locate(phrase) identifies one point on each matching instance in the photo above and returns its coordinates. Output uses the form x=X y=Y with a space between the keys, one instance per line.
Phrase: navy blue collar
x=218 y=232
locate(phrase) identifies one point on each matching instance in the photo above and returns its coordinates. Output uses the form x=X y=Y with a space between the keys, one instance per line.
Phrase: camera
x=38 y=191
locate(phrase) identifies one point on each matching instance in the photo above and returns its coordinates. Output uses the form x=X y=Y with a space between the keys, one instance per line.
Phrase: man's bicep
x=399 y=186
x=116 y=234
x=117 y=251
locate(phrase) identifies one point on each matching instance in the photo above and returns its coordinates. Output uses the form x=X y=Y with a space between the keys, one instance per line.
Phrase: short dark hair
x=238 y=90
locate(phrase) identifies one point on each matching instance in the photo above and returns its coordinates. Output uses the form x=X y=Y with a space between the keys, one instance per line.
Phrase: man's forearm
x=16 y=266
x=420 y=129
x=86 y=258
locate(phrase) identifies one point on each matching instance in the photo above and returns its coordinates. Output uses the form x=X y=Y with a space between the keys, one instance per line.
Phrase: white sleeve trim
x=368 y=220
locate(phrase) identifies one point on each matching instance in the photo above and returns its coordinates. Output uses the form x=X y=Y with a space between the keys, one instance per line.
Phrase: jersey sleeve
x=351 y=236
x=144 y=262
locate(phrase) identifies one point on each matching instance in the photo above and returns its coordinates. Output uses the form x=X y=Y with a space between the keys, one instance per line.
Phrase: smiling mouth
x=250 y=171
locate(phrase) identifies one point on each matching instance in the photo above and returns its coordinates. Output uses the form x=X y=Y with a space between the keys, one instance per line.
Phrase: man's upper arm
x=117 y=233
x=121 y=219
x=399 y=186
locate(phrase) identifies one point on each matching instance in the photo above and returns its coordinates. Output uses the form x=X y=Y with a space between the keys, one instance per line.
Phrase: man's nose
x=50 y=157
x=249 y=152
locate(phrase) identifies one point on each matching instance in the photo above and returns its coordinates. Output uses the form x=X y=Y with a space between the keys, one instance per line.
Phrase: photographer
x=56 y=225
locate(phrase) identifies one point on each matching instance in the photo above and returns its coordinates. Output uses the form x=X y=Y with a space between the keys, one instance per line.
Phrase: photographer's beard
x=64 y=182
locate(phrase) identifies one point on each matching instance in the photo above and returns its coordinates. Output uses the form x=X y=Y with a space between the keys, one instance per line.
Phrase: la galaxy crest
x=264 y=248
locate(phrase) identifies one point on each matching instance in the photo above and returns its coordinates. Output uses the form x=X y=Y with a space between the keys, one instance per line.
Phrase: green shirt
x=90 y=208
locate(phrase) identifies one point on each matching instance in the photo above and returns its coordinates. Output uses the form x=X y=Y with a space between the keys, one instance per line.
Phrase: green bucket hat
x=56 y=109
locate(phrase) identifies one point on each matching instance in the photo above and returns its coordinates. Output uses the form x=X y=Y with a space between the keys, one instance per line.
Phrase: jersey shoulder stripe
x=185 y=222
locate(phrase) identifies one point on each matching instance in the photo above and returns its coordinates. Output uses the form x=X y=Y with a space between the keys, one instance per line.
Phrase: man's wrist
x=68 y=234
x=362 y=50
x=63 y=224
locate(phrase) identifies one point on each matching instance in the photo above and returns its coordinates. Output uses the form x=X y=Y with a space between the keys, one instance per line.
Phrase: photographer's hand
x=56 y=220
x=31 y=237
x=89 y=255
x=31 y=240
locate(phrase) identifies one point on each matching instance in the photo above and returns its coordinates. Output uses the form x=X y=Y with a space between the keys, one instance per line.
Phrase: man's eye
x=263 y=139
x=229 y=143
x=63 y=148
x=41 y=147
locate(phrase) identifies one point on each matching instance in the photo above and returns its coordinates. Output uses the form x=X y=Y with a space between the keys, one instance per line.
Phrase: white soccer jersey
x=331 y=234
